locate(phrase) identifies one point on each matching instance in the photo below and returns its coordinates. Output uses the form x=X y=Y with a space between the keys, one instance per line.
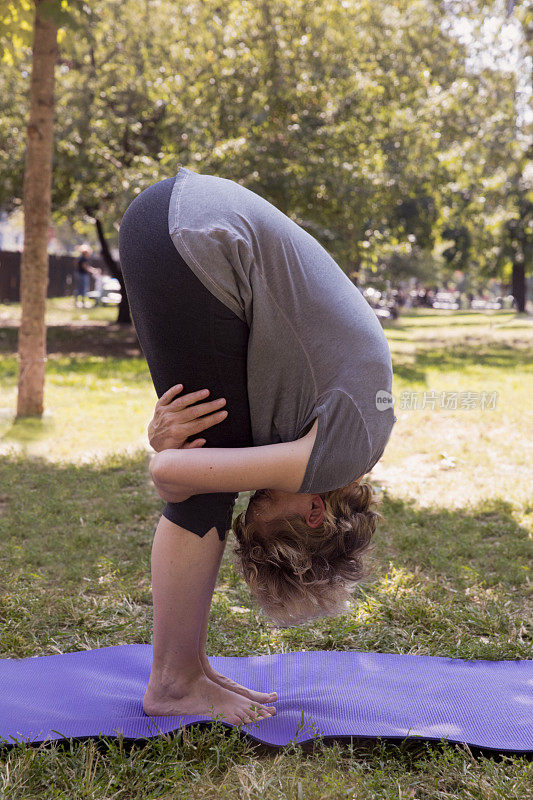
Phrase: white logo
x=384 y=400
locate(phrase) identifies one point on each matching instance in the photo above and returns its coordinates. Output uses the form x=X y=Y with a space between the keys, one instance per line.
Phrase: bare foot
x=233 y=686
x=204 y=696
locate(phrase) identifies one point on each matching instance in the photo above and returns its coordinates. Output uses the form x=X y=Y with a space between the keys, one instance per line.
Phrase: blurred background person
x=83 y=276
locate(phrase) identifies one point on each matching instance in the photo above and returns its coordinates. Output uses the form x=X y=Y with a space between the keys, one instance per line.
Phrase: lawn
x=451 y=561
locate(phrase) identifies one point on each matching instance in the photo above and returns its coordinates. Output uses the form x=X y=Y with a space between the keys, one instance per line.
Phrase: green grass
x=451 y=578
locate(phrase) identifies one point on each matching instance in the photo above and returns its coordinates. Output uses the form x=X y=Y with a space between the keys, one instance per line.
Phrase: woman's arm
x=182 y=473
x=168 y=488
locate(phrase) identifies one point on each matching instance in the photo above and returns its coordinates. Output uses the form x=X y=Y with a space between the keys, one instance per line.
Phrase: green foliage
x=17 y=18
x=370 y=124
x=66 y=13
x=16 y=27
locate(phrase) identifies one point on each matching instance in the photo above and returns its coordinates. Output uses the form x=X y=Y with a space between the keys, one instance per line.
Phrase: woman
x=84 y=270
x=229 y=295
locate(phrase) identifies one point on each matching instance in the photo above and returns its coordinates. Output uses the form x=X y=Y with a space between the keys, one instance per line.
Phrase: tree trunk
x=124 y=314
x=519 y=285
x=37 y=192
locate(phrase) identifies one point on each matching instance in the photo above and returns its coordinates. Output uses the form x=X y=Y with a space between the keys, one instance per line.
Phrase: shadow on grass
x=484 y=544
x=103 y=351
x=60 y=519
x=463 y=316
x=459 y=356
x=84 y=339
x=413 y=368
x=75 y=545
x=28 y=430
x=78 y=510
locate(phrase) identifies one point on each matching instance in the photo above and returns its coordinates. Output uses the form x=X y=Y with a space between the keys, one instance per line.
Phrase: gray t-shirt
x=315 y=347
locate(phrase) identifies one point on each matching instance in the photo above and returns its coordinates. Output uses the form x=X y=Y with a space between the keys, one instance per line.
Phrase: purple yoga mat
x=483 y=703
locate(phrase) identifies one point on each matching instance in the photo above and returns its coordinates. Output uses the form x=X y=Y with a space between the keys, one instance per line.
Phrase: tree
x=366 y=122
x=519 y=230
x=508 y=187
x=37 y=202
x=43 y=18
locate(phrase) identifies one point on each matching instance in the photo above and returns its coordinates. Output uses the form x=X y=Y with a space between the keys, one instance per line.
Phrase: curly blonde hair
x=296 y=573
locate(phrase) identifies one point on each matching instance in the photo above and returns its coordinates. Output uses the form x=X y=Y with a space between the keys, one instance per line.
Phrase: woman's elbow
x=163 y=467
x=164 y=471
x=155 y=468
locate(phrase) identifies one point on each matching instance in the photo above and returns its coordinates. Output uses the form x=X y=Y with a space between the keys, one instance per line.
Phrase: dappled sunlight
x=445 y=729
x=523 y=699
x=397 y=581
x=487 y=447
x=474 y=545
x=86 y=417
x=60 y=311
x=458 y=457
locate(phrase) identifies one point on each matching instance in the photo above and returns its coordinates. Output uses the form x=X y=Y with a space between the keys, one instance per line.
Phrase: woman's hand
x=177 y=418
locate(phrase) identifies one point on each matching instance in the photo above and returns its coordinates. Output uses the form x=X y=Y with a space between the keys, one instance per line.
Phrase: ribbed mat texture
x=487 y=704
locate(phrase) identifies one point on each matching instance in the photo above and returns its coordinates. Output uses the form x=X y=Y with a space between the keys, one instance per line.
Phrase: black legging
x=188 y=336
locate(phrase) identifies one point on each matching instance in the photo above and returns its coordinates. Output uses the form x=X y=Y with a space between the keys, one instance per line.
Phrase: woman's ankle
x=165 y=677
x=208 y=669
